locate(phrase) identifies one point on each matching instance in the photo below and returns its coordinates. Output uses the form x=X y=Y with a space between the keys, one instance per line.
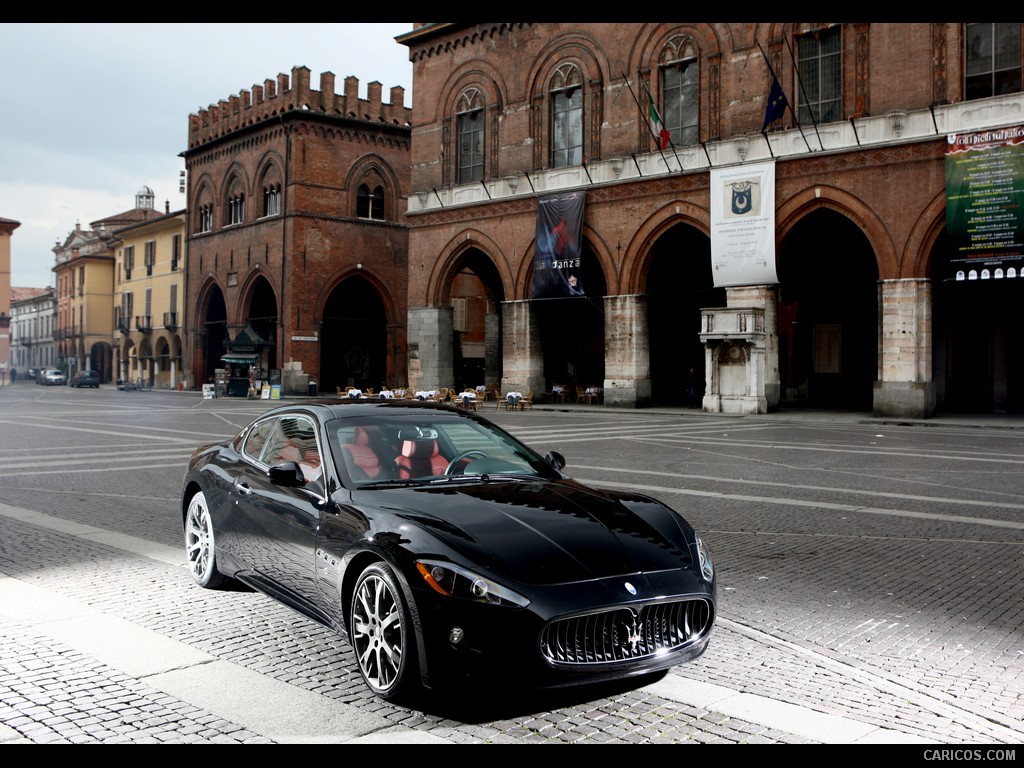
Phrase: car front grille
x=626 y=634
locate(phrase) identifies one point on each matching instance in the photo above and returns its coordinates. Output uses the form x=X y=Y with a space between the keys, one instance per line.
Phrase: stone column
x=431 y=357
x=627 y=364
x=522 y=356
x=492 y=345
x=905 y=387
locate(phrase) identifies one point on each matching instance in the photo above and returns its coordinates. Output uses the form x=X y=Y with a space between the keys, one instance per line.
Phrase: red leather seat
x=420 y=458
x=362 y=460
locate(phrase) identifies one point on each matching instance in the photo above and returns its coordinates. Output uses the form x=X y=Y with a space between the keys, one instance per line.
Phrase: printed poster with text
x=743 y=225
x=985 y=204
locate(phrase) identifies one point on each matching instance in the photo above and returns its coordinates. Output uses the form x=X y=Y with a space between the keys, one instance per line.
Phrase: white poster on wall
x=743 y=225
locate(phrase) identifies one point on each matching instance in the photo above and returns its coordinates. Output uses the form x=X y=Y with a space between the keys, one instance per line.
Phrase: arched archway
x=571 y=329
x=679 y=284
x=214 y=330
x=827 y=313
x=476 y=294
x=353 y=337
x=263 y=318
x=101 y=359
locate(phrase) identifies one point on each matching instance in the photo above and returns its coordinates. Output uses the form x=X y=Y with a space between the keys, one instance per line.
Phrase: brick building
x=837 y=288
x=296 y=241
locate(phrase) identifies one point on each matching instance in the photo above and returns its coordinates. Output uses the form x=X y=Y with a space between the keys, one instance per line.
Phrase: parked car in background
x=53 y=376
x=33 y=374
x=85 y=379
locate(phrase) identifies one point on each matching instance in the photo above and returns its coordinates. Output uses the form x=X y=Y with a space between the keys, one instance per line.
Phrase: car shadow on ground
x=486 y=703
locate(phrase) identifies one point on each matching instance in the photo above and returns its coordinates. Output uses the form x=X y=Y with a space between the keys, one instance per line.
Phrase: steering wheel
x=474 y=452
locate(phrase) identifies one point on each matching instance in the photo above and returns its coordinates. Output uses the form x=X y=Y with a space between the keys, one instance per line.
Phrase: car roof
x=332 y=408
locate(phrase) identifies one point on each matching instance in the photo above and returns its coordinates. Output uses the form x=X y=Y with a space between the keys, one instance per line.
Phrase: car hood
x=551 y=532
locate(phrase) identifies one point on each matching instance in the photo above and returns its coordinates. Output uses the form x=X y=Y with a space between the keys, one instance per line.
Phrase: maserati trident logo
x=630 y=588
x=632 y=640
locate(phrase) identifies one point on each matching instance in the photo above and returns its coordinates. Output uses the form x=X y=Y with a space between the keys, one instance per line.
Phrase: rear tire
x=382 y=634
x=200 y=547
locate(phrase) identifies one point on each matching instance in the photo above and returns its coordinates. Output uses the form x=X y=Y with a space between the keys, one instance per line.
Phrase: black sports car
x=444 y=549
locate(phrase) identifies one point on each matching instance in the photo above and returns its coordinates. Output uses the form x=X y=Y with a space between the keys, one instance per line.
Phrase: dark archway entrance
x=571 y=330
x=476 y=296
x=263 y=319
x=976 y=367
x=353 y=337
x=828 y=314
x=679 y=285
x=215 y=326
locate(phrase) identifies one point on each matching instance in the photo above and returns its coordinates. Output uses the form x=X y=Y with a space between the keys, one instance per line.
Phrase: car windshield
x=403 y=449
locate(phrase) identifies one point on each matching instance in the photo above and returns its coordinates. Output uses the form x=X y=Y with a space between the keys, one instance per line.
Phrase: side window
x=256 y=440
x=301 y=446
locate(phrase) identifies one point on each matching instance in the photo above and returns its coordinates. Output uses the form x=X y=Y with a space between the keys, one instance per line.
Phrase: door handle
x=242 y=488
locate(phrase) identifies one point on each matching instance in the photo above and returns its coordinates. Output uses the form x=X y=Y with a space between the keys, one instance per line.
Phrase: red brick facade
x=296 y=234
x=858 y=317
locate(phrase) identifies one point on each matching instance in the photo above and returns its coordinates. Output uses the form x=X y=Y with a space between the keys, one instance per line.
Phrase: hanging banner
x=985 y=204
x=556 y=261
x=743 y=225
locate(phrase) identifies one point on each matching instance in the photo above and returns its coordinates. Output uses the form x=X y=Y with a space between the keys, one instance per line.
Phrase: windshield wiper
x=390 y=484
x=495 y=476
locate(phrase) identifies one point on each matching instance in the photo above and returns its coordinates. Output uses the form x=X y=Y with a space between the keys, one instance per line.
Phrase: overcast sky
x=94 y=112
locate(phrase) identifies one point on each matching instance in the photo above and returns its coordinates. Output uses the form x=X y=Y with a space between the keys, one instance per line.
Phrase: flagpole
x=646 y=119
x=796 y=119
x=670 y=142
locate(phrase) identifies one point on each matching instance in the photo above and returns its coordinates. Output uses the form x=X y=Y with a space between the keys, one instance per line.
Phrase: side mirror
x=288 y=474
x=555 y=459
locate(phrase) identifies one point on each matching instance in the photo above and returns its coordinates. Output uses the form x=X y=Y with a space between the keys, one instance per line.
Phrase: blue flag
x=776 y=104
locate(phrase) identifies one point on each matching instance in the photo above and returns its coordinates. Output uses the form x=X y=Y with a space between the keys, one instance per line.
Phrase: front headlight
x=453 y=581
x=707 y=567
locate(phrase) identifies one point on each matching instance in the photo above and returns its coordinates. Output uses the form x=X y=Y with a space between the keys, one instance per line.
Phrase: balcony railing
x=170 y=320
x=144 y=323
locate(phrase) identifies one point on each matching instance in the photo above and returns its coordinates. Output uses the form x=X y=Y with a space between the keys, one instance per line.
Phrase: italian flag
x=657 y=127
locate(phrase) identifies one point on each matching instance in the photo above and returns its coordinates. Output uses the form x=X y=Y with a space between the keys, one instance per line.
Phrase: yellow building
x=149 y=289
x=84 y=273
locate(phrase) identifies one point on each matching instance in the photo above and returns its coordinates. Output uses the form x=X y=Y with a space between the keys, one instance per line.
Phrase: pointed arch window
x=680 y=90
x=236 y=208
x=470 y=122
x=370 y=203
x=204 y=220
x=566 y=117
x=272 y=200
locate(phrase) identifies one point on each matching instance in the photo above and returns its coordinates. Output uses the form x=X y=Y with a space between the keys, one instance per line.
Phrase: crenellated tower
x=289 y=93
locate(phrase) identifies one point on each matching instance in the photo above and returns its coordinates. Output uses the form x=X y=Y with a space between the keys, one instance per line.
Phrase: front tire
x=382 y=634
x=200 y=548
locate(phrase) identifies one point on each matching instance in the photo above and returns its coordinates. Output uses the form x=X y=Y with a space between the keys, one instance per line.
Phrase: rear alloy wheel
x=199 y=545
x=382 y=633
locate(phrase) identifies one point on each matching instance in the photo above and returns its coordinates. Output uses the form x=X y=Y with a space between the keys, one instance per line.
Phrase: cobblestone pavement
x=869 y=576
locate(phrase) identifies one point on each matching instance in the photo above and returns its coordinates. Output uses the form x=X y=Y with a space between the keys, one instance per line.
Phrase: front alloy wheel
x=382 y=634
x=199 y=544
